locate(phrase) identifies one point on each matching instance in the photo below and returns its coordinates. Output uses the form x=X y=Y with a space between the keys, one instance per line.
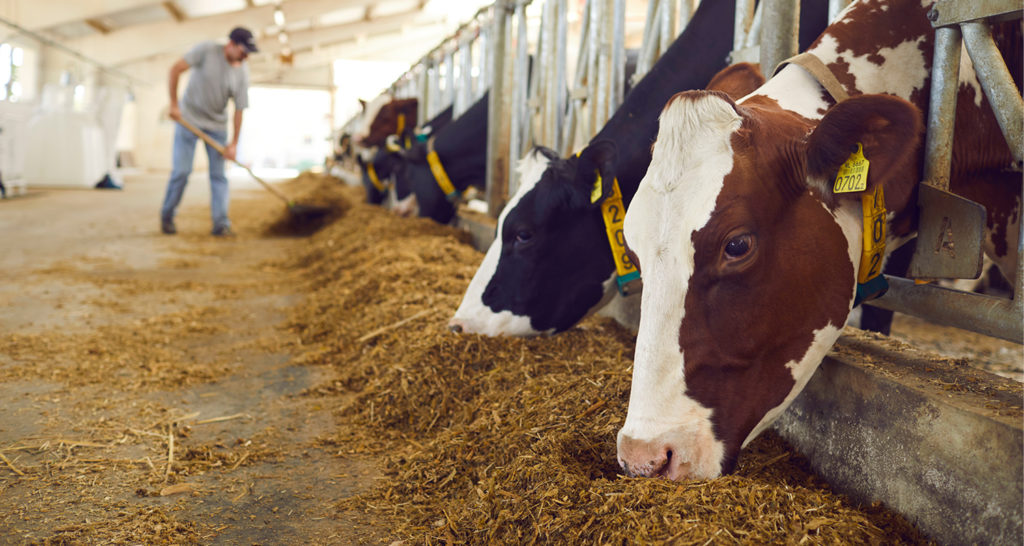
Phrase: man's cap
x=243 y=37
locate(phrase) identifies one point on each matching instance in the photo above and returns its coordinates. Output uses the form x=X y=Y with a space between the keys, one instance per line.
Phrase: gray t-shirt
x=211 y=82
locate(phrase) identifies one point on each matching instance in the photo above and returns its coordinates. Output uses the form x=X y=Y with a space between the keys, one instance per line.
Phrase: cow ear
x=889 y=130
x=597 y=158
x=737 y=80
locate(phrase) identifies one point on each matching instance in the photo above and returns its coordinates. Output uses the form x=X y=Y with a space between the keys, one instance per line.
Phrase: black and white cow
x=550 y=264
x=387 y=160
x=461 y=148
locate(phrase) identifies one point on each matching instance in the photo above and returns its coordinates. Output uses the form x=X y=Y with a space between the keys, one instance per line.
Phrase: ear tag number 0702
x=853 y=174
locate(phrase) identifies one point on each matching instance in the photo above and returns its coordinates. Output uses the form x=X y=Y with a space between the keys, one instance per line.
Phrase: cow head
x=395 y=117
x=416 y=188
x=749 y=264
x=385 y=164
x=549 y=264
x=367 y=115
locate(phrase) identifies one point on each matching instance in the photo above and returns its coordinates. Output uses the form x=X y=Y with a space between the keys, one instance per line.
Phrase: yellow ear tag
x=853 y=175
x=596 y=192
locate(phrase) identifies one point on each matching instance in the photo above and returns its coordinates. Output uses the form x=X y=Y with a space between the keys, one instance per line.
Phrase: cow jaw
x=473 y=315
x=802 y=371
x=666 y=432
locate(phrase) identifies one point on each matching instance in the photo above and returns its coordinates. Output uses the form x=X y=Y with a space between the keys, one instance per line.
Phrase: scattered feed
x=513 y=440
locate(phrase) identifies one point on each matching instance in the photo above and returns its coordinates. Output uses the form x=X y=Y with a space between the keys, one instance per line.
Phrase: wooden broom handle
x=220 y=149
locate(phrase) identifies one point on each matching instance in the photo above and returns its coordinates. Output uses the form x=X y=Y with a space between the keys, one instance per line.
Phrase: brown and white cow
x=750 y=260
x=397 y=117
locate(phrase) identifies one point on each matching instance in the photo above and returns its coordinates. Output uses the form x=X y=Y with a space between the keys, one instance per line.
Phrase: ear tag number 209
x=853 y=174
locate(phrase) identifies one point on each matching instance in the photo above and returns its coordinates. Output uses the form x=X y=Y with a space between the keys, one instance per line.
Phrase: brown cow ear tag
x=853 y=174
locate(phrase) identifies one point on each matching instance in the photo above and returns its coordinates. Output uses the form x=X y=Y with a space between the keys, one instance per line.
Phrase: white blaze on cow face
x=373 y=107
x=667 y=433
x=473 y=316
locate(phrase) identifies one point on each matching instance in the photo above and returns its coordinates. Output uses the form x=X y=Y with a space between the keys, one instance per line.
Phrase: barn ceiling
x=302 y=35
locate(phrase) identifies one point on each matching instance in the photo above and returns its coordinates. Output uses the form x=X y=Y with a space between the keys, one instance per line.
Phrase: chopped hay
x=513 y=440
x=312 y=208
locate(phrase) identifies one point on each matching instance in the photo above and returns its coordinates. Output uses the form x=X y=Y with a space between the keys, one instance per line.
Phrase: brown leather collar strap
x=825 y=77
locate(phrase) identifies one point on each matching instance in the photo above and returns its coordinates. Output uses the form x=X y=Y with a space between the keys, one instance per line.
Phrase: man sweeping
x=219 y=73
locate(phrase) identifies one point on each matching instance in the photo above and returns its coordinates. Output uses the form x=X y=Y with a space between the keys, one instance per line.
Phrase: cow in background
x=361 y=127
x=750 y=257
x=397 y=117
x=387 y=159
x=461 y=150
x=550 y=264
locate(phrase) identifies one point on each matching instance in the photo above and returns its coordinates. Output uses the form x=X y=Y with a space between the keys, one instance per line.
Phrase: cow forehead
x=530 y=169
x=691 y=157
x=370 y=113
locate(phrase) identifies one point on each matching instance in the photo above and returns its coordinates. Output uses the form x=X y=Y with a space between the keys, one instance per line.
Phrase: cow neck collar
x=371 y=173
x=440 y=175
x=813 y=65
x=613 y=213
x=400 y=134
x=871 y=283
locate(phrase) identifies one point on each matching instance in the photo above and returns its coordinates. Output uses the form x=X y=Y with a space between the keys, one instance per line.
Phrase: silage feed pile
x=497 y=440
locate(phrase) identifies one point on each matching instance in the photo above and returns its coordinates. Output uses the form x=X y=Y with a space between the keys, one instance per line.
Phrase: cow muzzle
x=677 y=455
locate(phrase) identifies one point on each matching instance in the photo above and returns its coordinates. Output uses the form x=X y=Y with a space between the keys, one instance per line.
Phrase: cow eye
x=738 y=246
x=523 y=236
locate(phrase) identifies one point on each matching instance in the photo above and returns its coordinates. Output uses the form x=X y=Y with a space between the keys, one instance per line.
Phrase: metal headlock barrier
x=944 y=216
x=535 y=105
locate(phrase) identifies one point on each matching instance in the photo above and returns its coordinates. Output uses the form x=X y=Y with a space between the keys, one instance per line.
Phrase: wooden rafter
x=175 y=10
x=98 y=26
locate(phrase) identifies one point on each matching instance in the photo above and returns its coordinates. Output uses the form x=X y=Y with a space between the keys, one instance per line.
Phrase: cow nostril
x=455 y=327
x=666 y=465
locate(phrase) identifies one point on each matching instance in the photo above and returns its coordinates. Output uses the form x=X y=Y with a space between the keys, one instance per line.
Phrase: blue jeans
x=184 y=152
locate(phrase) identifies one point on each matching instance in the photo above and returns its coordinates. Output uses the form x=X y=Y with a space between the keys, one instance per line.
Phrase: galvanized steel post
x=498 y=111
x=579 y=91
x=449 y=82
x=997 y=83
x=741 y=25
x=619 y=55
x=942 y=107
x=522 y=81
x=780 y=23
x=424 y=88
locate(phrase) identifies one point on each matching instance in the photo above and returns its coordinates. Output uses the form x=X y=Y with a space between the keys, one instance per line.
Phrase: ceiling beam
x=334 y=34
x=146 y=40
x=398 y=46
x=98 y=26
x=39 y=15
x=175 y=10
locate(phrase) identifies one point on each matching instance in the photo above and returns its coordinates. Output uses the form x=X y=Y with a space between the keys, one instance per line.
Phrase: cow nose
x=649 y=459
x=455 y=326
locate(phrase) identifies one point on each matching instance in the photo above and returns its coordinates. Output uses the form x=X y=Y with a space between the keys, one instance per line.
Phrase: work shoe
x=222 y=231
x=167 y=226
